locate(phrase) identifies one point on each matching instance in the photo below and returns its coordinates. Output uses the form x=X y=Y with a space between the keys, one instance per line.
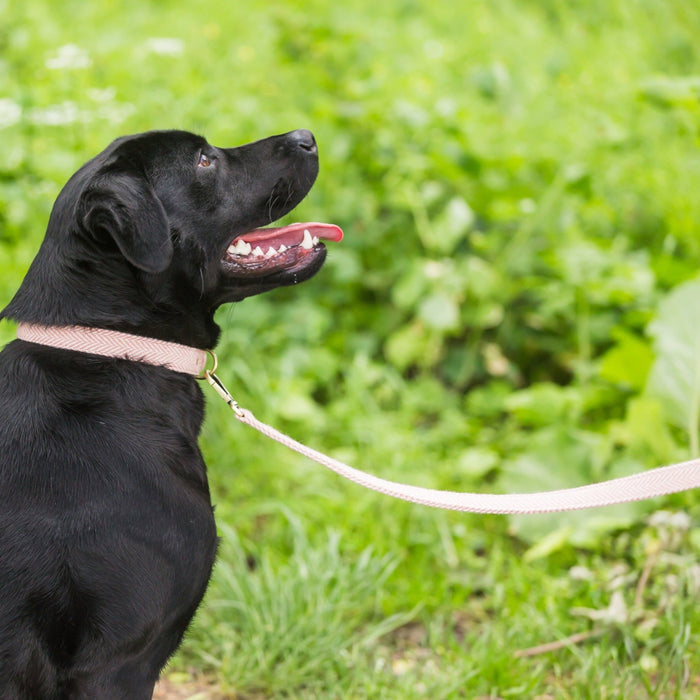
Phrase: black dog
x=107 y=537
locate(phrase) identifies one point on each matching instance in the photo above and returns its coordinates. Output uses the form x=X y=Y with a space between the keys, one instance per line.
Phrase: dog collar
x=123 y=346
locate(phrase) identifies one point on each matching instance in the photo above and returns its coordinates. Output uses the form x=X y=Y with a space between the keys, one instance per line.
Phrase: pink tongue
x=293 y=234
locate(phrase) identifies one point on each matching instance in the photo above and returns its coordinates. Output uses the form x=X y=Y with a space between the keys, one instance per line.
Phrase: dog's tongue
x=292 y=235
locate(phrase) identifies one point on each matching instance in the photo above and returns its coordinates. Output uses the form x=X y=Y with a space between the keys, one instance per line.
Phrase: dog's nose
x=303 y=139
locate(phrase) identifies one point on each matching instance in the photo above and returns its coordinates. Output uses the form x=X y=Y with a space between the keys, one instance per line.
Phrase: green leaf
x=440 y=312
x=634 y=431
x=541 y=404
x=673 y=91
x=476 y=462
x=628 y=362
x=675 y=375
x=412 y=344
x=298 y=407
x=551 y=542
x=450 y=226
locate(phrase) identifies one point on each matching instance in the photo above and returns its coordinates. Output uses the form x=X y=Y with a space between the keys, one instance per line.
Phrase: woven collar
x=124 y=346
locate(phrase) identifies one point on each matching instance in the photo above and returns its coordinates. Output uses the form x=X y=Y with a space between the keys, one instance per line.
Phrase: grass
x=293 y=625
x=317 y=625
x=518 y=186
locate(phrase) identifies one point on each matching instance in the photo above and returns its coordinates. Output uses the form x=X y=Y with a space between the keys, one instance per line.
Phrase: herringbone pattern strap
x=124 y=346
x=637 y=487
x=649 y=484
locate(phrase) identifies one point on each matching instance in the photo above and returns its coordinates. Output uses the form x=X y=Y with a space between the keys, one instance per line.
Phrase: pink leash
x=662 y=481
x=650 y=484
x=656 y=482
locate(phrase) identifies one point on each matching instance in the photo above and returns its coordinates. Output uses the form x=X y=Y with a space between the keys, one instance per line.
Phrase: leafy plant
x=675 y=375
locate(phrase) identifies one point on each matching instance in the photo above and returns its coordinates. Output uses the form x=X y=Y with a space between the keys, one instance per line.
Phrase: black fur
x=107 y=536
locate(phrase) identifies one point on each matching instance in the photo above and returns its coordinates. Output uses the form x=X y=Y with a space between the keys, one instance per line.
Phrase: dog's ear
x=122 y=203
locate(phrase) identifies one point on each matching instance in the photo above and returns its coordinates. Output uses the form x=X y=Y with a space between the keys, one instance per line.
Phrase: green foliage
x=513 y=307
x=675 y=374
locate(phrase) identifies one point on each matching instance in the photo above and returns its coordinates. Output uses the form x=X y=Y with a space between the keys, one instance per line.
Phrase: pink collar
x=124 y=346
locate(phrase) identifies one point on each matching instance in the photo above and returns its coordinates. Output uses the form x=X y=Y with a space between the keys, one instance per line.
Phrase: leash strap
x=662 y=481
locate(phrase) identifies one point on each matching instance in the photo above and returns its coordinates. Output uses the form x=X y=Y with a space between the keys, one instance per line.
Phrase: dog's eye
x=204 y=161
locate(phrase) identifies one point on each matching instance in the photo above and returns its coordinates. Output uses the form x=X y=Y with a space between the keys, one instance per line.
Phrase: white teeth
x=240 y=248
x=307 y=242
x=243 y=248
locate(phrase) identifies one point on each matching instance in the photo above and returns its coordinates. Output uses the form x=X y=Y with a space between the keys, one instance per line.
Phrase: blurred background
x=514 y=307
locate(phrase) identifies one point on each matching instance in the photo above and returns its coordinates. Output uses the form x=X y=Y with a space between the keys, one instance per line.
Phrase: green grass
x=518 y=183
x=319 y=624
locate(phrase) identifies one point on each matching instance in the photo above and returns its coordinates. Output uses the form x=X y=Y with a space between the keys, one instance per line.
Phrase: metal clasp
x=223 y=392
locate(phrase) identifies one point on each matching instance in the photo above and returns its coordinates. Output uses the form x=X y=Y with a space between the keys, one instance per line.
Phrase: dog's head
x=161 y=228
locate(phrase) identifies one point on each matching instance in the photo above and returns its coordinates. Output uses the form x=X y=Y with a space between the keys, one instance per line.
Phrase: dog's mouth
x=285 y=249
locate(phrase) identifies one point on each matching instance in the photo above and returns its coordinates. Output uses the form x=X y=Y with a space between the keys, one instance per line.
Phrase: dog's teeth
x=315 y=240
x=282 y=248
x=270 y=252
x=257 y=252
x=307 y=243
x=240 y=248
